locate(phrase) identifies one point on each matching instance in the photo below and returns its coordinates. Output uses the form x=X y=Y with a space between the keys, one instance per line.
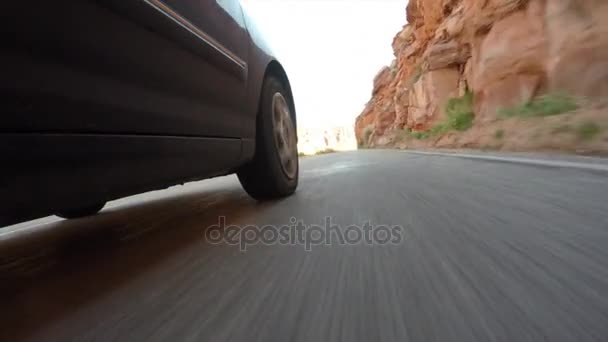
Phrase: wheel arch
x=263 y=65
x=275 y=69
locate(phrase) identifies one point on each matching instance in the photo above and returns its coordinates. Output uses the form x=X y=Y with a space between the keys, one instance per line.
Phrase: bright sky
x=332 y=49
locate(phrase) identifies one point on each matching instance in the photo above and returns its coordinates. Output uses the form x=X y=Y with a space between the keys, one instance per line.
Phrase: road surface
x=490 y=251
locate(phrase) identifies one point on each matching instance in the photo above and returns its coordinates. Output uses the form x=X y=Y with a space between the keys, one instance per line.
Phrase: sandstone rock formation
x=505 y=52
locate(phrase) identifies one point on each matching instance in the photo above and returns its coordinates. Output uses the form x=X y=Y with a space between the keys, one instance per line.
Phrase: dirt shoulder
x=583 y=131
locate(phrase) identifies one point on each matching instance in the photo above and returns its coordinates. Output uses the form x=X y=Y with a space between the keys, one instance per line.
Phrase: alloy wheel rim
x=284 y=135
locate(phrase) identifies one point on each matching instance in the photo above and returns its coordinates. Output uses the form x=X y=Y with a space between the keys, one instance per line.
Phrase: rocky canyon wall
x=502 y=52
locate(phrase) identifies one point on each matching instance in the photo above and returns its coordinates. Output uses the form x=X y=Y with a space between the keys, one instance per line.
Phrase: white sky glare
x=331 y=49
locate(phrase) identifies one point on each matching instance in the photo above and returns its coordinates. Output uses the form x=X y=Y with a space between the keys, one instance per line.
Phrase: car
x=104 y=99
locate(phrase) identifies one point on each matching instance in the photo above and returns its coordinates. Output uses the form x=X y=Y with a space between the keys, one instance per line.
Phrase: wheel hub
x=284 y=135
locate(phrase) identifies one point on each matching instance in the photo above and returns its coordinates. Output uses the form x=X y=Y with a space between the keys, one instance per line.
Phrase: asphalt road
x=489 y=252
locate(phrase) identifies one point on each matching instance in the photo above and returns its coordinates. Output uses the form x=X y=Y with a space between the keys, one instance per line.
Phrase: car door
x=152 y=67
x=219 y=25
x=220 y=28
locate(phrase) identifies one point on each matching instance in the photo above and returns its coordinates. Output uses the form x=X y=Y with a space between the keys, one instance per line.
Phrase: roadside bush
x=588 y=130
x=499 y=134
x=544 y=105
x=460 y=115
x=326 y=151
x=421 y=135
x=439 y=129
x=460 y=112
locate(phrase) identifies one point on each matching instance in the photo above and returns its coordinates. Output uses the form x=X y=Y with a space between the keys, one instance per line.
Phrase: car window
x=233 y=7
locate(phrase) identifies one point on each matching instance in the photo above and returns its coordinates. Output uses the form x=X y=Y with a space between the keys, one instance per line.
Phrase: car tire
x=274 y=171
x=81 y=212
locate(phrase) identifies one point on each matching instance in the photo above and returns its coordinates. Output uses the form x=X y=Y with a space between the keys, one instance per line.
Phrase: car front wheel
x=274 y=170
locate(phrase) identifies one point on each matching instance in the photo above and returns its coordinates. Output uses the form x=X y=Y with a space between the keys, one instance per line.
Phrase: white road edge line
x=527 y=161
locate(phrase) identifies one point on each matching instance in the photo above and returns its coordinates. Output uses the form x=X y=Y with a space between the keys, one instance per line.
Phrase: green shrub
x=407 y=133
x=439 y=129
x=499 y=134
x=460 y=112
x=326 y=151
x=544 y=105
x=421 y=135
x=588 y=130
x=460 y=117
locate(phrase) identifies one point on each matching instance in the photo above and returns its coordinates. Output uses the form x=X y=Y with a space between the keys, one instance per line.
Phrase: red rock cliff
x=503 y=51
